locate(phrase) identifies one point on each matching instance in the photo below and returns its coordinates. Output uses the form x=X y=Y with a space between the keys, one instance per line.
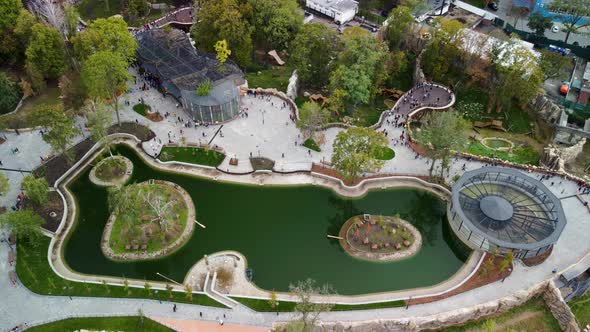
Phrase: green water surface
x=281 y=231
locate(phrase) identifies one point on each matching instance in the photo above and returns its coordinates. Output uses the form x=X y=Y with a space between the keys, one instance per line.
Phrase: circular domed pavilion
x=494 y=208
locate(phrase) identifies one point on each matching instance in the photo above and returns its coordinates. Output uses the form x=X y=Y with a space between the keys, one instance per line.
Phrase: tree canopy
x=10 y=93
x=223 y=19
x=46 y=51
x=62 y=128
x=308 y=309
x=106 y=34
x=10 y=10
x=571 y=14
x=312 y=52
x=355 y=150
x=361 y=68
x=442 y=49
x=105 y=77
x=312 y=117
x=553 y=63
x=24 y=224
x=539 y=23
x=36 y=189
x=400 y=22
x=276 y=22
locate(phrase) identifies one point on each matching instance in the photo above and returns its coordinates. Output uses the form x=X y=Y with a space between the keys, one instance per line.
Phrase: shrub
x=10 y=92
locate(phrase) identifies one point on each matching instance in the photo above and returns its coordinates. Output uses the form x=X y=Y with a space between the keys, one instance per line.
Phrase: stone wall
x=419 y=76
x=555 y=157
x=548 y=290
x=546 y=108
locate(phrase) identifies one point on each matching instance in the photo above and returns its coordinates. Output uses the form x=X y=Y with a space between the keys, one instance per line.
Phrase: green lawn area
x=581 y=308
x=141 y=109
x=531 y=316
x=385 y=153
x=368 y=114
x=35 y=273
x=192 y=155
x=264 y=305
x=102 y=324
x=25 y=116
x=312 y=145
x=273 y=77
x=520 y=155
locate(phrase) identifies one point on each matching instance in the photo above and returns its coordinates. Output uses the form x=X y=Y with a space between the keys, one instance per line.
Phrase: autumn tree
x=221 y=50
x=36 y=189
x=46 y=51
x=442 y=133
x=571 y=13
x=312 y=53
x=355 y=150
x=62 y=129
x=312 y=118
x=105 y=77
x=106 y=34
x=223 y=19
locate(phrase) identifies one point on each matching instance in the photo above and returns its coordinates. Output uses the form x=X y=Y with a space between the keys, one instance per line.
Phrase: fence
x=544 y=42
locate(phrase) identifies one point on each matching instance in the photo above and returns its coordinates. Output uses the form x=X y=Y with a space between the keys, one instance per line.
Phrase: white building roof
x=477 y=11
x=477 y=42
x=338 y=5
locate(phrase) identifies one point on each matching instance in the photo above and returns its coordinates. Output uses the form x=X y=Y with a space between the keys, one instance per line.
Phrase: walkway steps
x=209 y=289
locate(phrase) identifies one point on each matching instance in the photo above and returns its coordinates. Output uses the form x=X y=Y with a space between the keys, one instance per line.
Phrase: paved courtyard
x=267 y=131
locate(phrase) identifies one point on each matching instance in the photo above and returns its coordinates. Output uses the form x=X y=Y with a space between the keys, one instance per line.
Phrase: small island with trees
x=148 y=220
x=111 y=171
x=379 y=238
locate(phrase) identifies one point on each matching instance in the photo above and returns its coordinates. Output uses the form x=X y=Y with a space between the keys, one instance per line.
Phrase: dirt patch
x=477 y=280
x=316 y=168
x=154 y=117
x=53 y=206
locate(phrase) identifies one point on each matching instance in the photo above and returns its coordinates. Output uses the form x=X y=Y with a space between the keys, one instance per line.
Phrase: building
x=341 y=11
x=584 y=95
x=502 y=209
x=179 y=68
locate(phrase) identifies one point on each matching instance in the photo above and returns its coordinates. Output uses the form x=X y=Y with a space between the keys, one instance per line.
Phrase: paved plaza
x=266 y=131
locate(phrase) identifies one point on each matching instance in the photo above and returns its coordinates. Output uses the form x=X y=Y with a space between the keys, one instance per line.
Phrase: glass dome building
x=502 y=209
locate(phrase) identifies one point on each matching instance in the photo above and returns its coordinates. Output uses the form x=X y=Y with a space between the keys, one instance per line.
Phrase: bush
x=141 y=109
x=10 y=92
x=312 y=145
x=204 y=88
x=384 y=153
x=36 y=189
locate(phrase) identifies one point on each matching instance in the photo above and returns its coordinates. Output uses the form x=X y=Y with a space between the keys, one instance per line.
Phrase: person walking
x=174 y=308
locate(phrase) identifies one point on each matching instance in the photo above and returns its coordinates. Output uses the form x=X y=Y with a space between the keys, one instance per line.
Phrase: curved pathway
x=424 y=95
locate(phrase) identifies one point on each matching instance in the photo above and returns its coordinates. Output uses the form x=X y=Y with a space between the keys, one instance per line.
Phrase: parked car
x=369 y=27
x=429 y=20
x=555 y=29
x=493 y=6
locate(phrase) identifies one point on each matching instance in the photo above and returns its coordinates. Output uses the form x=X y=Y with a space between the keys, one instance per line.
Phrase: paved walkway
x=268 y=132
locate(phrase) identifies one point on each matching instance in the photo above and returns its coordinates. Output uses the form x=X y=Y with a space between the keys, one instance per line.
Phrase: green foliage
x=4 y=184
x=73 y=91
x=361 y=68
x=108 y=34
x=10 y=10
x=552 y=65
x=525 y=155
x=224 y=19
x=192 y=155
x=442 y=133
x=35 y=77
x=312 y=145
x=312 y=118
x=105 y=76
x=506 y=261
x=275 y=22
x=384 y=153
x=24 y=224
x=46 y=51
x=10 y=93
x=539 y=23
x=24 y=28
x=203 y=88
x=137 y=8
x=141 y=109
x=400 y=23
x=221 y=50
x=308 y=310
x=99 y=122
x=136 y=324
x=273 y=299
x=443 y=49
x=355 y=150
x=62 y=129
x=571 y=14
x=71 y=17
x=36 y=189
x=312 y=52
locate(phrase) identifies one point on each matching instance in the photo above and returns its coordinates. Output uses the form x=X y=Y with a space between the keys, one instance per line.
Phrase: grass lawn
x=264 y=305
x=141 y=109
x=273 y=77
x=581 y=308
x=110 y=170
x=368 y=114
x=312 y=145
x=35 y=273
x=102 y=324
x=192 y=155
x=521 y=155
x=25 y=116
x=531 y=316
x=385 y=153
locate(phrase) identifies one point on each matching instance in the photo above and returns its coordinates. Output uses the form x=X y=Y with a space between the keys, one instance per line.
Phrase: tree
x=273 y=299
x=24 y=28
x=539 y=23
x=312 y=118
x=4 y=184
x=223 y=19
x=10 y=10
x=106 y=34
x=310 y=311
x=71 y=20
x=188 y=290
x=148 y=287
x=222 y=51
x=312 y=53
x=355 y=150
x=35 y=77
x=337 y=101
x=46 y=51
x=73 y=92
x=136 y=8
x=442 y=133
x=443 y=49
x=361 y=68
x=571 y=13
x=99 y=122
x=105 y=77
x=276 y=22
x=506 y=261
x=552 y=64
x=36 y=189
x=10 y=92
x=400 y=22
x=24 y=224
x=62 y=129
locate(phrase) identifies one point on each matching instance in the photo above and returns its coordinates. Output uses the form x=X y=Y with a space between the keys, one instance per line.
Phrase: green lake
x=280 y=229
